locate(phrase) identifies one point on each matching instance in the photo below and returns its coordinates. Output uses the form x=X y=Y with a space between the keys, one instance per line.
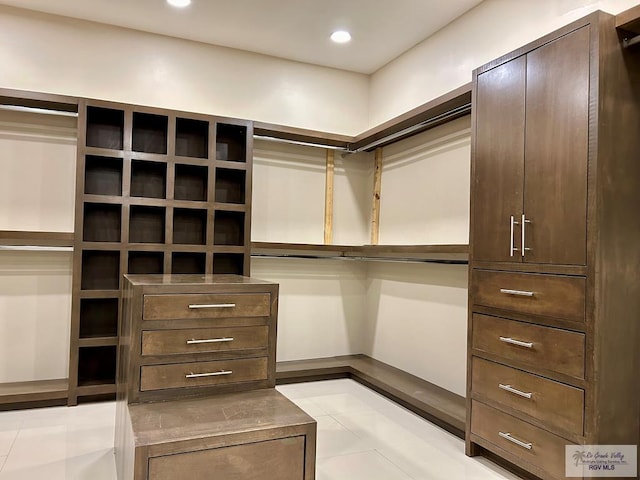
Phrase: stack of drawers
x=527 y=365
x=195 y=383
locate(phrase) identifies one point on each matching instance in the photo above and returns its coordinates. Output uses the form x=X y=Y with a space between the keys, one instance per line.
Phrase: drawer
x=281 y=459
x=201 y=374
x=539 y=294
x=549 y=348
x=553 y=403
x=196 y=340
x=536 y=446
x=193 y=306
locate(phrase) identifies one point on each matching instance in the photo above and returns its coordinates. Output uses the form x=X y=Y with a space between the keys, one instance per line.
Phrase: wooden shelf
x=38 y=239
x=442 y=407
x=629 y=20
x=447 y=107
x=409 y=253
x=35 y=393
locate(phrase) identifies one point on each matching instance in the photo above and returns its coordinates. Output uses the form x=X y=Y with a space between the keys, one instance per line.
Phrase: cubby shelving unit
x=158 y=192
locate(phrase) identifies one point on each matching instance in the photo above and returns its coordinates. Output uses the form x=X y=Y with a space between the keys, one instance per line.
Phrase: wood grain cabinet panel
x=194 y=340
x=556 y=404
x=557 y=296
x=282 y=458
x=536 y=446
x=199 y=374
x=551 y=349
x=182 y=307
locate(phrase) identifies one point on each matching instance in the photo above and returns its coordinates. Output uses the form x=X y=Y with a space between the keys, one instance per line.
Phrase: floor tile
x=334 y=439
x=2 y=460
x=7 y=438
x=310 y=407
x=365 y=466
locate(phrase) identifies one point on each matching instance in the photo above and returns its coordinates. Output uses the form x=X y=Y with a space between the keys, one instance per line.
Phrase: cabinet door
x=498 y=168
x=557 y=122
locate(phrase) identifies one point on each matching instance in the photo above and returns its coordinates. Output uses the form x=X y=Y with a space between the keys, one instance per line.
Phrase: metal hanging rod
x=298 y=142
x=43 y=111
x=630 y=42
x=35 y=248
x=456 y=112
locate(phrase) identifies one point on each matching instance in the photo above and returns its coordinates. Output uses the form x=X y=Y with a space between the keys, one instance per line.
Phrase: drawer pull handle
x=510 y=389
x=209 y=374
x=518 y=293
x=209 y=340
x=213 y=305
x=520 y=443
x=516 y=342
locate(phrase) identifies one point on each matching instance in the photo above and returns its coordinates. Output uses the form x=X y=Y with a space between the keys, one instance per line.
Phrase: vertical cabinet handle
x=523 y=248
x=512 y=248
x=520 y=443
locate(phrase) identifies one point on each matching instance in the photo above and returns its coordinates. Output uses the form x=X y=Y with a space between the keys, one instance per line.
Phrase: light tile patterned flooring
x=361 y=436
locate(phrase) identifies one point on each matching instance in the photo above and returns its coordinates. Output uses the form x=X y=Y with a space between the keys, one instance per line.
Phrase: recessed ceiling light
x=179 y=3
x=341 y=36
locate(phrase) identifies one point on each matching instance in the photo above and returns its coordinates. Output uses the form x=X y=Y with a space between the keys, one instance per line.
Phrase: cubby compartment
x=105 y=128
x=96 y=365
x=228 y=263
x=231 y=141
x=102 y=176
x=98 y=317
x=230 y=185
x=146 y=262
x=192 y=138
x=148 y=179
x=146 y=224
x=100 y=270
x=191 y=183
x=189 y=226
x=228 y=228
x=149 y=133
x=188 y=262
x=102 y=222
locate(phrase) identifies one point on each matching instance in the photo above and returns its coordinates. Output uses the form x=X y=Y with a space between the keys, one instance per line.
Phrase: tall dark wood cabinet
x=554 y=297
x=157 y=191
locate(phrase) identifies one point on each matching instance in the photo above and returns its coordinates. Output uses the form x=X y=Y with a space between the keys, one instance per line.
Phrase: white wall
x=425 y=187
x=445 y=60
x=35 y=315
x=59 y=55
x=322 y=305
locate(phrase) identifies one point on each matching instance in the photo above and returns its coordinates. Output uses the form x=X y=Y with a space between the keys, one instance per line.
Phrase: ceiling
x=293 y=29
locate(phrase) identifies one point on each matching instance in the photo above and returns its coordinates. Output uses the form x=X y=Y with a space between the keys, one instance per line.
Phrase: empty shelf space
x=105 y=128
x=102 y=222
x=228 y=228
x=189 y=226
x=188 y=262
x=146 y=224
x=231 y=142
x=228 y=263
x=192 y=138
x=230 y=185
x=149 y=133
x=103 y=176
x=146 y=262
x=440 y=406
x=191 y=182
x=96 y=365
x=98 y=317
x=148 y=179
x=100 y=270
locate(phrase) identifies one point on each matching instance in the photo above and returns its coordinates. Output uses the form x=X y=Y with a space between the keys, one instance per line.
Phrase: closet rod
x=630 y=42
x=451 y=114
x=365 y=259
x=44 y=111
x=35 y=248
x=297 y=142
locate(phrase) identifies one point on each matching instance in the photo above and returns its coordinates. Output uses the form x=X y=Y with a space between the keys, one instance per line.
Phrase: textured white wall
x=445 y=60
x=60 y=55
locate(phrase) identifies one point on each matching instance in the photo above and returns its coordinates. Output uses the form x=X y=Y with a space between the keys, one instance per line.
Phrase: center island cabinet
x=195 y=383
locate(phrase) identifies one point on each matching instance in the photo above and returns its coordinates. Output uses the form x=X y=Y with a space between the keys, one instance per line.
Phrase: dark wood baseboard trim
x=35 y=394
x=441 y=407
